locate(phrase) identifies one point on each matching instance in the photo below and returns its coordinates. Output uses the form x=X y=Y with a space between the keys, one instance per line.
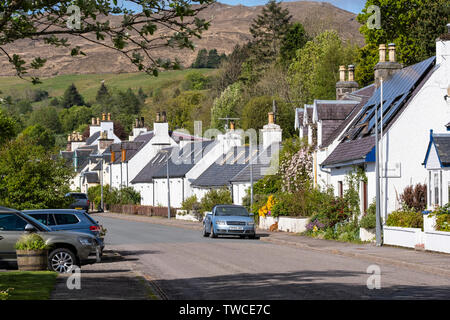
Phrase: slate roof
x=92 y=138
x=154 y=165
x=184 y=160
x=225 y=168
x=397 y=92
x=363 y=95
x=261 y=166
x=334 y=111
x=442 y=143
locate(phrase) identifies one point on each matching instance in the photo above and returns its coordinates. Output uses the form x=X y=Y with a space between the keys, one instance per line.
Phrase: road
x=187 y=266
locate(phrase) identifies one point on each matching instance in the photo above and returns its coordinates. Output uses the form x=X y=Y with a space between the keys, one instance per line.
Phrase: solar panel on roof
x=395 y=92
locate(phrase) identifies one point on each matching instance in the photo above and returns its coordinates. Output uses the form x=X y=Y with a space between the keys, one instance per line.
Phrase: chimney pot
x=382 y=50
x=342 y=71
x=142 y=122
x=392 y=57
x=124 y=155
x=109 y=116
x=103 y=116
x=232 y=126
x=93 y=121
x=136 y=123
x=351 y=73
x=158 y=117
x=98 y=121
x=448 y=27
x=164 y=117
x=271 y=120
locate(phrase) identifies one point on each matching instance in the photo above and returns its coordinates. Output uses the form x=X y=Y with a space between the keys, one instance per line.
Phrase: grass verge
x=28 y=285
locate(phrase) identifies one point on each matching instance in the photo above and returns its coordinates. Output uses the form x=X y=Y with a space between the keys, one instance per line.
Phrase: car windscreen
x=231 y=211
x=78 y=196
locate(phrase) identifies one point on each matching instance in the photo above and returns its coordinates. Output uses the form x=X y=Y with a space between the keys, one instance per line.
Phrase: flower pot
x=32 y=260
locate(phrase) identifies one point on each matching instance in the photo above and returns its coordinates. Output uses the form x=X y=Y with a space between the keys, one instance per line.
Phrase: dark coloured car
x=80 y=201
x=67 y=248
x=68 y=220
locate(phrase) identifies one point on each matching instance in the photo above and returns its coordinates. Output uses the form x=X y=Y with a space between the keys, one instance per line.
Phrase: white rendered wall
x=239 y=192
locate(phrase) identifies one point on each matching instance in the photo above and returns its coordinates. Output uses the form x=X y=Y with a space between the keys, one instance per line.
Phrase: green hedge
x=405 y=219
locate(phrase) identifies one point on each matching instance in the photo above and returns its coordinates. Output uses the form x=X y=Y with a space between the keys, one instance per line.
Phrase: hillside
x=230 y=26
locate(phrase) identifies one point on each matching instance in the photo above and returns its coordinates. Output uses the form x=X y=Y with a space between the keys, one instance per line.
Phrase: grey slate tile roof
x=92 y=138
x=442 y=143
x=363 y=95
x=261 y=166
x=334 y=111
x=397 y=92
x=350 y=151
x=225 y=168
x=91 y=177
x=184 y=160
x=158 y=162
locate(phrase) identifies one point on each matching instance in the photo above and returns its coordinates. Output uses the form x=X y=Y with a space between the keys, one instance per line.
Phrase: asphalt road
x=187 y=266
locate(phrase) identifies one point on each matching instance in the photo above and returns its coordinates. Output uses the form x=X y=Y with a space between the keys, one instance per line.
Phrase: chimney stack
x=386 y=69
x=346 y=86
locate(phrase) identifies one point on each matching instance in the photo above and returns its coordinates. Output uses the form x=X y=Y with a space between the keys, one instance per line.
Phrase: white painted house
x=413 y=104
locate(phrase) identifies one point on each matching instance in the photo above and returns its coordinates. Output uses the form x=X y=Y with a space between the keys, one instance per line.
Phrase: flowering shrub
x=314 y=226
x=443 y=222
x=267 y=208
x=296 y=171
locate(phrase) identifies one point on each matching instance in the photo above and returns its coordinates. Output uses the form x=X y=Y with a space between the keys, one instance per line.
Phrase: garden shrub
x=405 y=219
x=32 y=241
x=215 y=197
x=190 y=203
x=369 y=220
x=443 y=222
x=415 y=197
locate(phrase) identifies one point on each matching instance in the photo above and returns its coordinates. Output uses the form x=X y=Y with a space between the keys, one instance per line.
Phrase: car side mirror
x=251 y=214
x=30 y=228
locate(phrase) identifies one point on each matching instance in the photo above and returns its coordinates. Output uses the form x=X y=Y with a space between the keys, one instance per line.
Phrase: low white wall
x=437 y=241
x=403 y=237
x=184 y=215
x=367 y=234
x=291 y=224
x=429 y=223
x=266 y=222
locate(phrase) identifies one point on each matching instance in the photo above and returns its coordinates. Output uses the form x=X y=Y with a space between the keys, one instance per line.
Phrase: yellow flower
x=315 y=229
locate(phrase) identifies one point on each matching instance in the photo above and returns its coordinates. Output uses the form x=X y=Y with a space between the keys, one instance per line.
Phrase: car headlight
x=251 y=223
x=221 y=223
x=86 y=241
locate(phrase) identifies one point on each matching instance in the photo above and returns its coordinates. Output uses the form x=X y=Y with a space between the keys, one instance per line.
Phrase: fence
x=142 y=210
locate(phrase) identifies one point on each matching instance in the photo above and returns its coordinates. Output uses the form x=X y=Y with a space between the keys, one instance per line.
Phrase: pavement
x=115 y=278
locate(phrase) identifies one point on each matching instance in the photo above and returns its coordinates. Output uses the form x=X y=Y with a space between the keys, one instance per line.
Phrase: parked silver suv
x=66 y=248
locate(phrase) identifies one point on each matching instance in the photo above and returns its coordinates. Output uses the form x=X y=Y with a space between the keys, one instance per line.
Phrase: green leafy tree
x=46 y=117
x=227 y=105
x=72 y=97
x=315 y=71
x=413 y=25
x=184 y=110
x=294 y=39
x=31 y=177
x=51 y=22
x=7 y=128
x=39 y=135
x=74 y=117
x=195 y=81
x=254 y=114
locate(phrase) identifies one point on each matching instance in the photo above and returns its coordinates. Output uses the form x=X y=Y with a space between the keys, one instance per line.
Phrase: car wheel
x=205 y=234
x=61 y=260
x=212 y=234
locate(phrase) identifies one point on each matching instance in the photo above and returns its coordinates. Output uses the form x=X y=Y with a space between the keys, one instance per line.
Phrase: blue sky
x=349 y=5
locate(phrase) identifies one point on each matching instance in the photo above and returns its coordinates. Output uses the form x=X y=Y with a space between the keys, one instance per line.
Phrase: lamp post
x=101 y=157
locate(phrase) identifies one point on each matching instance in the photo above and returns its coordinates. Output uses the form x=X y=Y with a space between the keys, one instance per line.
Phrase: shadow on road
x=327 y=285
